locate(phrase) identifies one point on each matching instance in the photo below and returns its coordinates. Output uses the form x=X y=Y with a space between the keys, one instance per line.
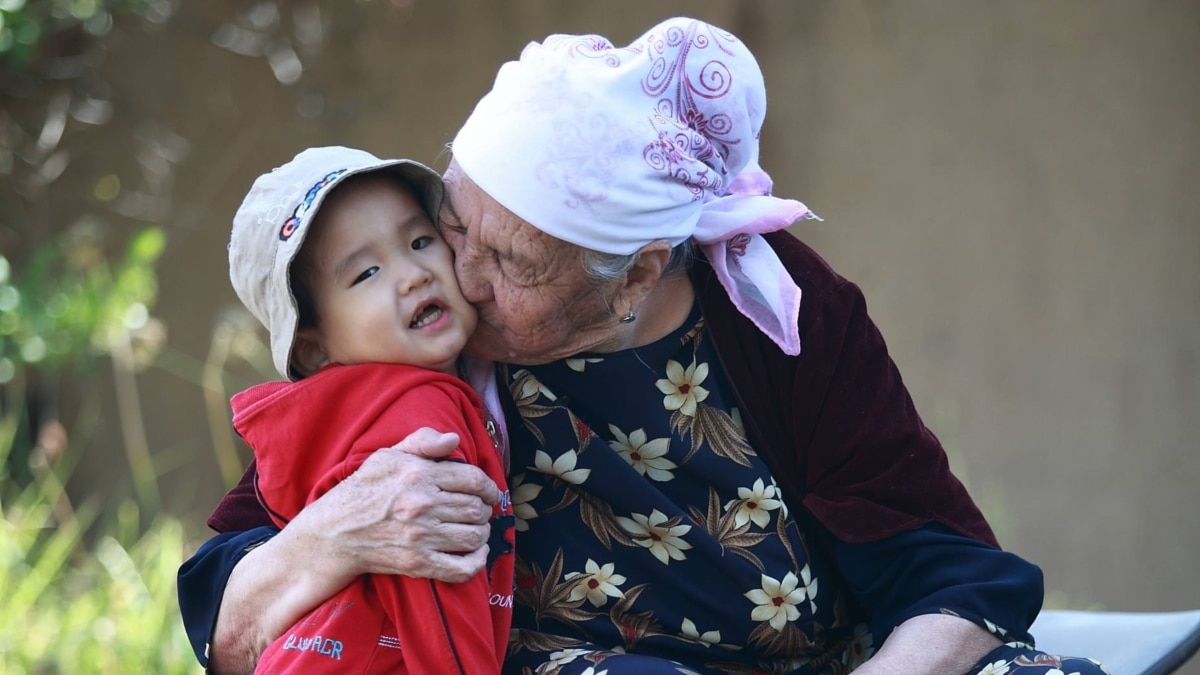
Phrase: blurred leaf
x=68 y=304
x=89 y=603
x=147 y=246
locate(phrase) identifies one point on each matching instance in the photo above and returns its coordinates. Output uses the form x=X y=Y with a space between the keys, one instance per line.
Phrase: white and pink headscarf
x=613 y=148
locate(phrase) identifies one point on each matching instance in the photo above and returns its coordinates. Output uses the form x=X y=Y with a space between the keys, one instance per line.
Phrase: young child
x=337 y=254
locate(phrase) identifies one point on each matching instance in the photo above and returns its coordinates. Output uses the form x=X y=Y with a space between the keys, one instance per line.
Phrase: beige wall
x=1016 y=187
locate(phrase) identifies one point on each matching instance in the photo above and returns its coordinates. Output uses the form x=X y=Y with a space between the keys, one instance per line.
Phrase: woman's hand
x=931 y=644
x=401 y=512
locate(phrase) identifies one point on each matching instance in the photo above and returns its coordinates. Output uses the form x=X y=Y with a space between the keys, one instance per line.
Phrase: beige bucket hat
x=273 y=220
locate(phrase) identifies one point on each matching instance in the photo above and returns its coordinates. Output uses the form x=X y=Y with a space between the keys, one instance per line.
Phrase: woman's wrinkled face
x=534 y=299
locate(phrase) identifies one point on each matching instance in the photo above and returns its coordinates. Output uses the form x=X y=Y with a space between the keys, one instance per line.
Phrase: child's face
x=382 y=281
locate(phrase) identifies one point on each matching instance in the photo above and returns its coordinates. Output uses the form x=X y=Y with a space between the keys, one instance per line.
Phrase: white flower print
x=682 y=387
x=783 y=509
x=562 y=658
x=530 y=386
x=578 y=365
x=653 y=532
x=810 y=588
x=861 y=648
x=776 y=600
x=708 y=638
x=995 y=668
x=522 y=494
x=644 y=456
x=591 y=670
x=754 y=504
x=996 y=630
x=563 y=468
x=598 y=583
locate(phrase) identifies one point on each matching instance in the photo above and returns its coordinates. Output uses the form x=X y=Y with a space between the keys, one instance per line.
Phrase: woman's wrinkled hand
x=405 y=512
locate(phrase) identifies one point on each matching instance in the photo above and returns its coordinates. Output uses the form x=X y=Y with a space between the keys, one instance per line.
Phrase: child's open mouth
x=426 y=315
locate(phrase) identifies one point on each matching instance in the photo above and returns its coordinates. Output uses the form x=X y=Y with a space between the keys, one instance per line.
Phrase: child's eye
x=421 y=242
x=367 y=274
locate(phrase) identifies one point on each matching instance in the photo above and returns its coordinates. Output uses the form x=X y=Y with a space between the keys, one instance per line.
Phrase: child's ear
x=307 y=355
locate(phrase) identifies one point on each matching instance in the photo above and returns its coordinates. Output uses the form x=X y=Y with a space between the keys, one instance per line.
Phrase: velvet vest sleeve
x=239 y=509
x=836 y=424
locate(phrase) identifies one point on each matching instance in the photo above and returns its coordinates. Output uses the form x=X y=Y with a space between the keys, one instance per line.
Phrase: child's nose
x=414 y=277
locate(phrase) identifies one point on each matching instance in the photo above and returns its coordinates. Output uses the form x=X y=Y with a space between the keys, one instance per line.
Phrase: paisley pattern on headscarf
x=613 y=148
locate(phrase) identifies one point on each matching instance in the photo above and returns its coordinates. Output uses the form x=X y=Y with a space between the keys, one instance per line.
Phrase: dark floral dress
x=663 y=544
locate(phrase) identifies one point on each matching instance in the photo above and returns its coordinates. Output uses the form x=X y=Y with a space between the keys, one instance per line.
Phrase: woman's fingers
x=404 y=512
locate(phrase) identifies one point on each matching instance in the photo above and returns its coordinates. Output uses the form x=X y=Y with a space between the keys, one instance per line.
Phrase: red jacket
x=310 y=435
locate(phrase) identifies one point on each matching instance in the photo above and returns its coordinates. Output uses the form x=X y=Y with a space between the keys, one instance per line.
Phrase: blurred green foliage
x=25 y=25
x=70 y=304
x=87 y=575
x=70 y=603
x=89 y=587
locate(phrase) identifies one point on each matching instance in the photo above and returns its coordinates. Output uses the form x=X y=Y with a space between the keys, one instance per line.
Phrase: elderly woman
x=715 y=465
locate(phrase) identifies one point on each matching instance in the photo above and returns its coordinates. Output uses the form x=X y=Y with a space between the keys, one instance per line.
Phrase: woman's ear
x=648 y=267
x=307 y=355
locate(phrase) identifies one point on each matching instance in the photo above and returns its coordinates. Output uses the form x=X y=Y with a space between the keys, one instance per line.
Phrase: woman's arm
x=939 y=601
x=931 y=644
x=400 y=513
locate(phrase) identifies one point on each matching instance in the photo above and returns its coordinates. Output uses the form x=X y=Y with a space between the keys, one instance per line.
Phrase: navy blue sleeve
x=932 y=570
x=202 y=579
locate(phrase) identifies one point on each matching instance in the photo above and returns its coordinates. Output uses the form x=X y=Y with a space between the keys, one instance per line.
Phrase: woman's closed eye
x=366 y=274
x=515 y=272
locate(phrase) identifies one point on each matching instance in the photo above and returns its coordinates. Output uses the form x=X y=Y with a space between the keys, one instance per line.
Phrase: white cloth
x=613 y=148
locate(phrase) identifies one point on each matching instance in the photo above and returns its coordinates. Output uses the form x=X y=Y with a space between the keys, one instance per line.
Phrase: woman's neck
x=665 y=309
